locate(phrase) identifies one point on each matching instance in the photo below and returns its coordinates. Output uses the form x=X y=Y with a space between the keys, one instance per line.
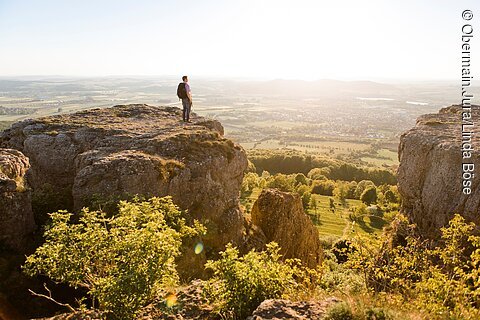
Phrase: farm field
x=336 y=223
x=380 y=158
x=332 y=147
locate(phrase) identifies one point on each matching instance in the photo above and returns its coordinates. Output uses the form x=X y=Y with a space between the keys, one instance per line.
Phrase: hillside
x=98 y=157
x=128 y=213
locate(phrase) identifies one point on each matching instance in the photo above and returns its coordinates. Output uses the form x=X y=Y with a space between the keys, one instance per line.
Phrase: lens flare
x=171 y=300
x=198 y=248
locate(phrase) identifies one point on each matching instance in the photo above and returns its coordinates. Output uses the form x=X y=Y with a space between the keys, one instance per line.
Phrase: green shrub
x=342 y=249
x=390 y=196
x=340 y=311
x=442 y=280
x=122 y=261
x=361 y=187
x=377 y=314
x=338 y=277
x=306 y=199
x=323 y=187
x=369 y=196
x=109 y=203
x=282 y=182
x=250 y=182
x=327 y=241
x=240 y=284
x=358 y=213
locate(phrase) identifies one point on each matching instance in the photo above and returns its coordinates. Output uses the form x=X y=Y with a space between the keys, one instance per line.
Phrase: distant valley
x=359 y=121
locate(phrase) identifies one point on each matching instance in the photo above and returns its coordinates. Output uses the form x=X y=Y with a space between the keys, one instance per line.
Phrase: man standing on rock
x=184 y=93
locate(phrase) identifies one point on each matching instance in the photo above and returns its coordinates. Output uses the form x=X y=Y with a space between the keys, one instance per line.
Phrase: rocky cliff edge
x=100 y=154
x=430 y=175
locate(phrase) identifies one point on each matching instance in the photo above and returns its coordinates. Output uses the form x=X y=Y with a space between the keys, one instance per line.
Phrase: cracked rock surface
x=125 y=150
x=430 y=170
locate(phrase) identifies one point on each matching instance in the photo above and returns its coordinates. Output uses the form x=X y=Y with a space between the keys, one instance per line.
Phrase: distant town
x=356 y=120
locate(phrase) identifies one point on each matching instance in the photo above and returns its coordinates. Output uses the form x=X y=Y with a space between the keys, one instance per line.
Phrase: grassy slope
x=332 y=224
x=5 y=125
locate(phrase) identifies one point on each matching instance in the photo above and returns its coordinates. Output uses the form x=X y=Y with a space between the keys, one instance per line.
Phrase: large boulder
x=281 y=218
x=276 y=309
x=100 y=154
x=16 y=217
x=430 y=170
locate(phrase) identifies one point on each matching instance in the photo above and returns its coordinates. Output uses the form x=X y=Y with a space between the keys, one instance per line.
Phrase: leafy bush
x=282 y=182
x=358 y=213
x=442 y=279
x=341 y=192
x=342 y=248
x=361 y=187
x=338 y=278
x=390 y=196
x=340 y=311
x=122 y=261
x=323 y=187
x=300 y=178
x=377 y=314
x=369 y=196
x=240 y=284
x=304 y=192
x=250 y=182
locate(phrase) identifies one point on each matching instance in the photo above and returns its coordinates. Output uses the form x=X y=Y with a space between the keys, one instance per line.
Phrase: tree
x=306 y=197
x=390 y=196
x=282 y=182
x=332 y=204
x=352 y=186
x=323 y=187
x=369 y=196
x=250 y=182
x=313 y=205
x=123 y=261
x=362 y=186
x=251 y=167
x=318 y=173
x=301 y=179
x=340 y=192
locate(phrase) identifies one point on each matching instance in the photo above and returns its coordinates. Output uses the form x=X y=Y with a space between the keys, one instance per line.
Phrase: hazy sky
x=249 y=38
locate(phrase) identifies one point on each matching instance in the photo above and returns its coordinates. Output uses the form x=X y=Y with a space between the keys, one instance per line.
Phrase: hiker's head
x=185 y=78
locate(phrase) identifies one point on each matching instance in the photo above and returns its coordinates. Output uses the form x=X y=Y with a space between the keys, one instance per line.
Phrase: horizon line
x=235 y=77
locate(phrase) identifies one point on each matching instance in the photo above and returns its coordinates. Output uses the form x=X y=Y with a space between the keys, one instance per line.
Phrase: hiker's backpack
x=181 y=91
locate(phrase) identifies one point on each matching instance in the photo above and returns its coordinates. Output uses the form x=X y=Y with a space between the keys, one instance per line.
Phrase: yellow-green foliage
x=340 y=311
x=122 y=261
x=443 y=280
x=240 y=284
x=281 y=182
x=169 y=168
x=5 y=125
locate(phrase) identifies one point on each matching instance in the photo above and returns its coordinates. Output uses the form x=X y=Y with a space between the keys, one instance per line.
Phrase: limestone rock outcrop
x=16 y=217
x=281 y=218
x=430 y=170
x=276 y=309
x=124 y=150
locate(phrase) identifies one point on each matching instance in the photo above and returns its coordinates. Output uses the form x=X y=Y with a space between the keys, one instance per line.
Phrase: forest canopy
x=289 y=162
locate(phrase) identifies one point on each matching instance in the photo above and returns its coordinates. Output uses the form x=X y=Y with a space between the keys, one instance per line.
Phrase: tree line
x=289 y=162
